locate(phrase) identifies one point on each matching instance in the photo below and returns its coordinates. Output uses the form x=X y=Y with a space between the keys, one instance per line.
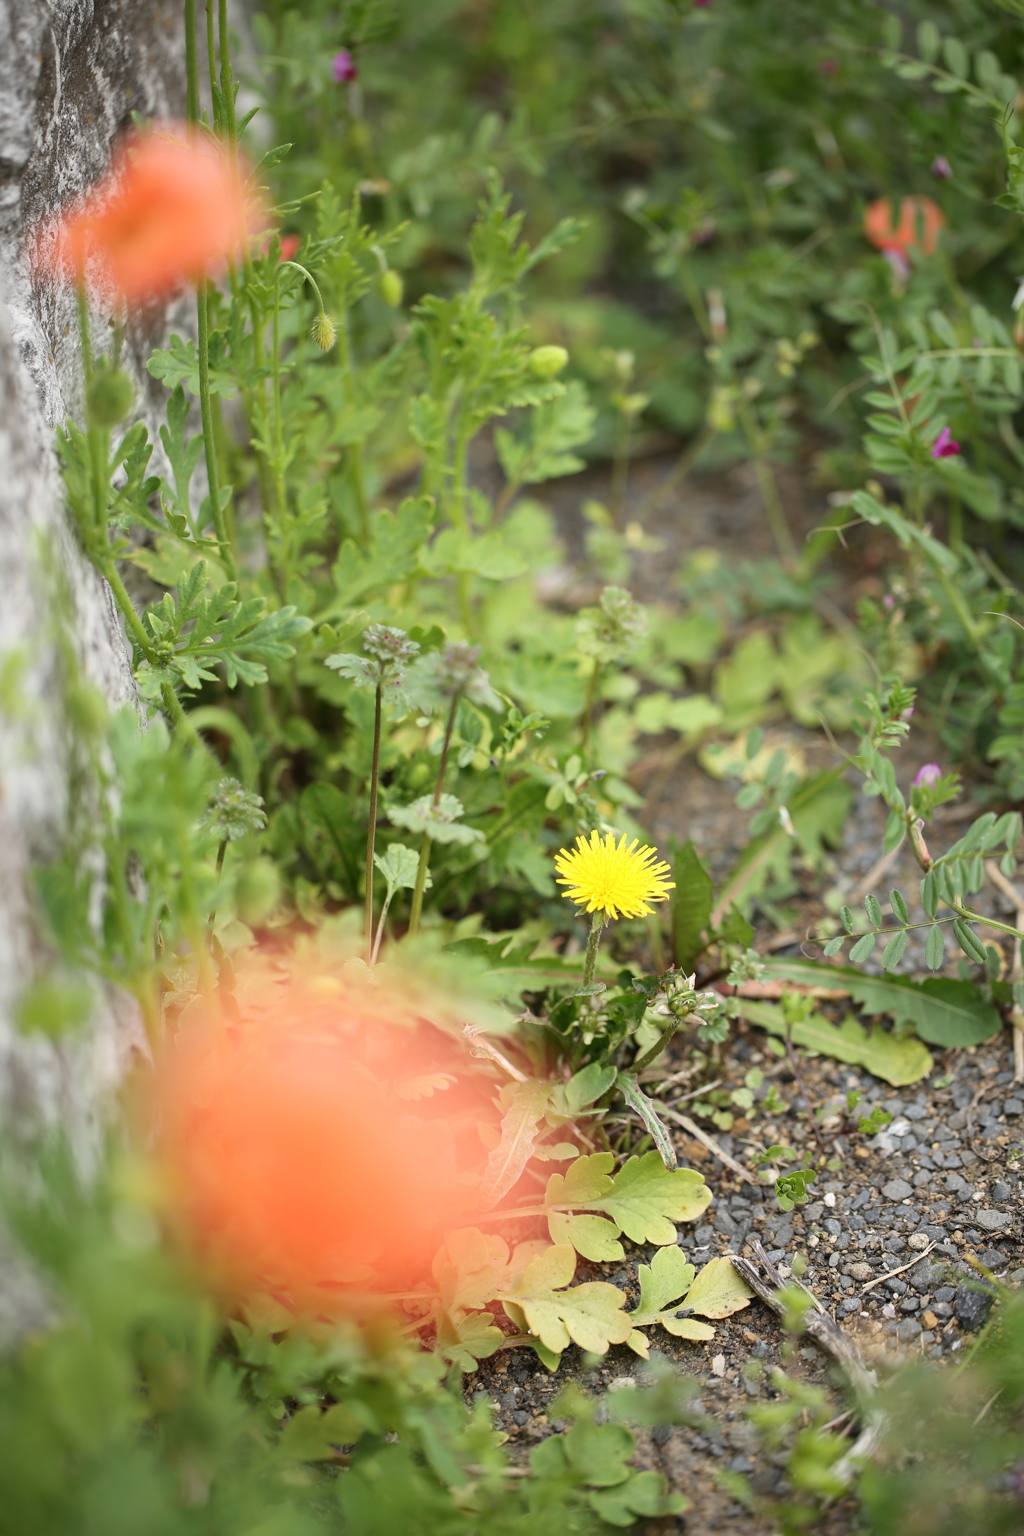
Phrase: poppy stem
x=209 y=439
x=371 y=831
x=191 y=64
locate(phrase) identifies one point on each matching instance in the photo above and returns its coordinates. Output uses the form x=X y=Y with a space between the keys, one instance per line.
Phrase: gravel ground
x=886 y=1237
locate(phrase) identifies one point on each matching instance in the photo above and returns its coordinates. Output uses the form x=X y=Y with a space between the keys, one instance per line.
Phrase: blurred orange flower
x=171 y=207
x=920 y=220
x=320 y=1149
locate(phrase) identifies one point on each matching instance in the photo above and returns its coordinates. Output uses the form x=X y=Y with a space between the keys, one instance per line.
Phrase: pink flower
x=944 y=447
x=344 y=67
x=927 y=776
x=941 y=168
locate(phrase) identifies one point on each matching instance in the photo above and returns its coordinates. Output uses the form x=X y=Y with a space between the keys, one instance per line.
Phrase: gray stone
x=1001 y=1192
x=992 y=1221
x=972 y=1305
x=897 y=1189
x=908 y=1330
x=1013 y=1106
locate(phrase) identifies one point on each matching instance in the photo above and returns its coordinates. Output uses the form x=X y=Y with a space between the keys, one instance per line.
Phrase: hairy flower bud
x=233 y=812
x=610 y=630
x=323 y=332
x=389 y=644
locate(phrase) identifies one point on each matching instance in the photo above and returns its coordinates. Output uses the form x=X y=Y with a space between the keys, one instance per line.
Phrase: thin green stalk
x=587 y=722
x=191 y=64
x=421 y=869
x=371 y=832
x=656 y=1049
x=593 y=945
x=209 y=440
x=211 y=58
x=418 y=889
x=773 y=507
x=221 y=851
x=227 y=79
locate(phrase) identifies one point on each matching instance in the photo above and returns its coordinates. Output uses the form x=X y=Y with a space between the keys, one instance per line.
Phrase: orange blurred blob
x=314 y=1149
x=171 y=207
x=920 y=222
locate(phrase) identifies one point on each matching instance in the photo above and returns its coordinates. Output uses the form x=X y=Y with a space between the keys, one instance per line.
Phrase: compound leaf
x=590 y=1315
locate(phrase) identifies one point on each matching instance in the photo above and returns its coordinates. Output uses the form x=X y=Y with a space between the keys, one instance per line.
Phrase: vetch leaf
x=873 y=910
x=934 y=949
x=899 y=907
x=863 y=947
x=968 y=941
x=892 y=954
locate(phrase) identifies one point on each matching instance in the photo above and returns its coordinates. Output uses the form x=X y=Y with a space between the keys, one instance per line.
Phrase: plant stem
x=656 y=1049
x=221 y=851
x=209 y=440
x=421 y=871
x=371 y=831
x=191 y=64
x=227 y=82
x=593 y=945
x=773 y=507
x=418 y=889
x=587 y=722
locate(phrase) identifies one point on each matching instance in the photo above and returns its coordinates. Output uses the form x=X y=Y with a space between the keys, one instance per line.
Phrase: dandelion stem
x=656 y=1049
x=371 y=831
x=593 y=945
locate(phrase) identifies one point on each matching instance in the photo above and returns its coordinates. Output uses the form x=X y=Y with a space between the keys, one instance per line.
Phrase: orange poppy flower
x=171 y=208
x=920 y=220
x=317 y=1150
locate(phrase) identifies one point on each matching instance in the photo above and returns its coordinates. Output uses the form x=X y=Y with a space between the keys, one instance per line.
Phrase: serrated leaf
x=399 y=866
x=691 y=905
x=892 y=954
x=468 y=1340
x=665 y=1280
x=595 y=1237
x=638 y=1100
x=718 y=1290
x=524 y=1105
x=945 y=1011
x=590 y=1315
x=647 y=1198
x=896 y=1061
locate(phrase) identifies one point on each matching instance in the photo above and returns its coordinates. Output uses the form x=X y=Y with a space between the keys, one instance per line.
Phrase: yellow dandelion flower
x=611 y=878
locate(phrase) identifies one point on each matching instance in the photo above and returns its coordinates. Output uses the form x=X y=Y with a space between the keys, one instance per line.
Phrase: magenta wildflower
x=944 y=447
x=941 y=168
x=343 y=67
x=927 y=776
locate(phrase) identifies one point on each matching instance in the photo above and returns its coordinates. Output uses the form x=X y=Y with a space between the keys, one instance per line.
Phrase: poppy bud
x=111 y=396
x=323 y=332
x=257 y=891
x=390 y=288
x=546 y=362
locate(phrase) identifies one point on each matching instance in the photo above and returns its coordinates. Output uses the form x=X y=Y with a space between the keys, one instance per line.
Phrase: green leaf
x=899 y=907
x=525 y=1105
x=873 y=511
x=312 y=1435
x=873 y=910
x=863 y=947
x=968 y=941
x=178 y=363
x=895 y=1061
x=589 y=1084
x=668 y=1276
x=834 y=946
x=590 y=1315
x=892 y=954
x=644 y=1200
x=945 y=1011
x=691 y=905
x=643 y=1494
x=934 y=949
x=399 y=866
x=718 y=1290
x=846 y=916
x=393 y=552
x=638 y=1100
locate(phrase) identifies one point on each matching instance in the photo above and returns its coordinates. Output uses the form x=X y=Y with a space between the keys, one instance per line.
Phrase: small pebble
x=972 y=1306
x=992 y=1221
x=897 y=1189
x=862 y=1272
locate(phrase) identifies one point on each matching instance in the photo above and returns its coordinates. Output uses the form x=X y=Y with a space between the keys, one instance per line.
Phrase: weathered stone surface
x=71 y=74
